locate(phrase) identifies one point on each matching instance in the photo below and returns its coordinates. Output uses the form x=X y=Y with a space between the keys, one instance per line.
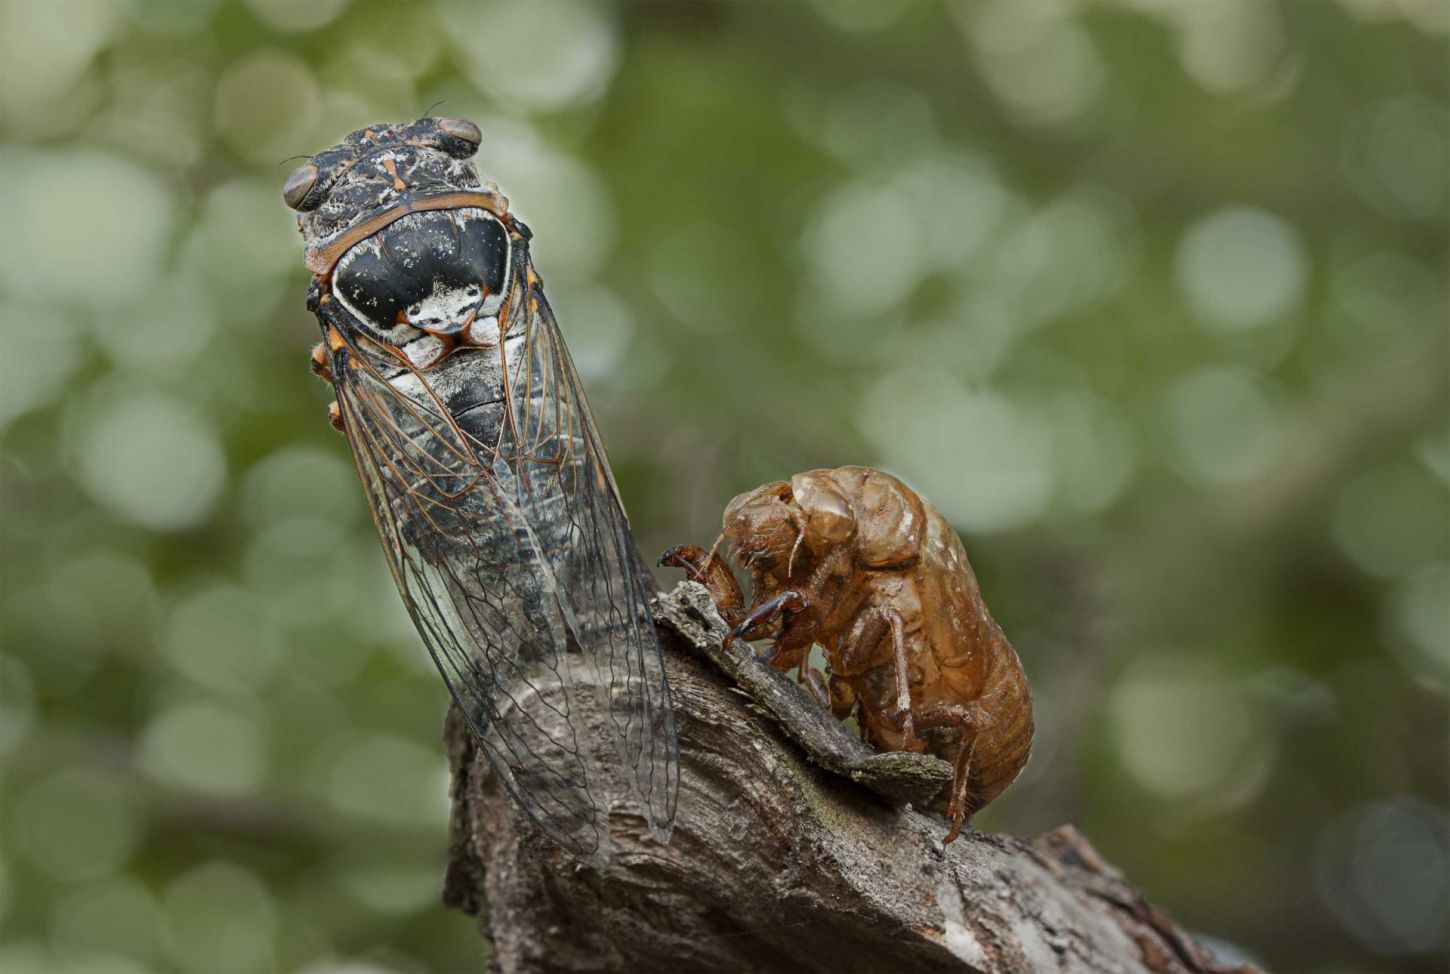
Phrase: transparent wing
x=474 y=575
x=604 y=588
x=514 y=558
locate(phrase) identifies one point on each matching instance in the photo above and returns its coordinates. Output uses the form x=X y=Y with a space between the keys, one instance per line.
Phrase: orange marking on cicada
x=335 y=341
x=467 y=330
x=392 y=168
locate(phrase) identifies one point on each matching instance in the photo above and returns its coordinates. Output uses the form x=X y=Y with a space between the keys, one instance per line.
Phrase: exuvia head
x=763 y=526
x=781 y=528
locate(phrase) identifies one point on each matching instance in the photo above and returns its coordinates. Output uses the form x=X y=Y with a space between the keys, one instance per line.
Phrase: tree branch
x=792 y=850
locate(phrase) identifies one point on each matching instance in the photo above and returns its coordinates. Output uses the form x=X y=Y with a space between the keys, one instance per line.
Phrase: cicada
x=498 y=512
x=855 y=561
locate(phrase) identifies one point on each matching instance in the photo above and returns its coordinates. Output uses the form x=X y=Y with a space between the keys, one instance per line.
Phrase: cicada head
x=378 y=167
x=400 y=229
x=763 y=526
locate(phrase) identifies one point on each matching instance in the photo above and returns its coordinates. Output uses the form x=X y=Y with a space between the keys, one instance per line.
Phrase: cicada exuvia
x=483 y=470
x=856 y=562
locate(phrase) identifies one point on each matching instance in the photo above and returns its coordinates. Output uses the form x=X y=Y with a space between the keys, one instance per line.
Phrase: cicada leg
x=785 y=654
x=832 y=692
x=966 y=717
x=815 y=681
x=319 y=362
x=714 y=574
x=789 y=602
x=857 y=654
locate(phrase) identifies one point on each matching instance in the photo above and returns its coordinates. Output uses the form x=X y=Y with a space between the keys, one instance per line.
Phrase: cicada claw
x=690 y=557
x=709 y=570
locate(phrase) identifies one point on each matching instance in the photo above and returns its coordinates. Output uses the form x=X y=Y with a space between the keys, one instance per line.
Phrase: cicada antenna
x=800 y=535
x=713 y=549
x=290 y=158
x=429 y=110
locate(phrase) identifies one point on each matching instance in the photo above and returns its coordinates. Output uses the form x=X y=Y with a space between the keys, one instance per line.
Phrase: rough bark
x=792 y=850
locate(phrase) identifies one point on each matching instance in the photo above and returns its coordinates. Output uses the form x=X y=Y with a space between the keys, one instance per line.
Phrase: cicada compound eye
x=463 y=134
x=298 y=185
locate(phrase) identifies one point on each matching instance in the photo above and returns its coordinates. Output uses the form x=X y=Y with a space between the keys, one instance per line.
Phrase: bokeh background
x=1149 y=298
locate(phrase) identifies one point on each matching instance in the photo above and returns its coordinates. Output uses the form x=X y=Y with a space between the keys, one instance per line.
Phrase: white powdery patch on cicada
x=425 y=351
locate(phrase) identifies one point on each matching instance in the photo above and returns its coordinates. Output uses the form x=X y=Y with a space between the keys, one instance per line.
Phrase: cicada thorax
x=435 y=273
x=424 y=296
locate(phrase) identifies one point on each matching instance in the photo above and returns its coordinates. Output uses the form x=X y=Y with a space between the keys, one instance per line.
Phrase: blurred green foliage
x=1149 y=297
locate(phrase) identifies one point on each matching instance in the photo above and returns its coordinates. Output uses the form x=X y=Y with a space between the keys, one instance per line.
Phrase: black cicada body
x=493 y=498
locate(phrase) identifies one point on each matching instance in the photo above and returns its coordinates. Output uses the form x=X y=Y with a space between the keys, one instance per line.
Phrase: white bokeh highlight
x=1241 y=267
x=151 y=460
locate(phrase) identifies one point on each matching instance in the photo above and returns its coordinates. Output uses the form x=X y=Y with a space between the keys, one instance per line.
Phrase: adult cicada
x=495 y=504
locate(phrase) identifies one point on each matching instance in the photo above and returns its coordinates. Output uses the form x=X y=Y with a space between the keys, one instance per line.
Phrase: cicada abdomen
x=494 y=501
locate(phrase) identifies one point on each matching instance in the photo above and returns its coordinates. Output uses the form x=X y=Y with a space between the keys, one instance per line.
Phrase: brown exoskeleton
x=854 y=560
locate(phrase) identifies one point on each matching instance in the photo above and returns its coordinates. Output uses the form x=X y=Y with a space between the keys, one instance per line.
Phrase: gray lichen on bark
x=795 y=848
